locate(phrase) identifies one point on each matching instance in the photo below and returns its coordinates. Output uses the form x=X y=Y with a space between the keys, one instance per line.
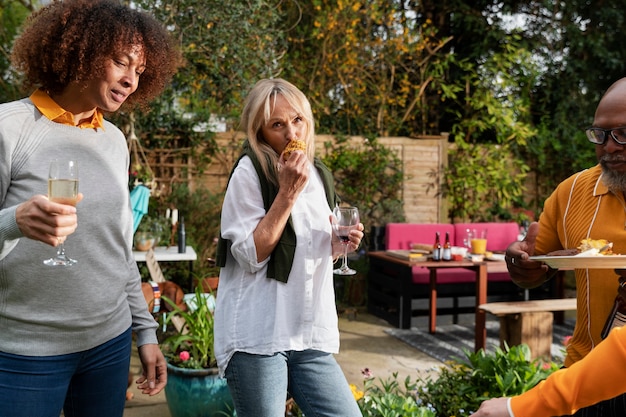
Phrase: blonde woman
x=275 y=320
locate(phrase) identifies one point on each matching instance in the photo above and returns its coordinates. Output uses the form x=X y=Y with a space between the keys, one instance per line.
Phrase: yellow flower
x=355 y=392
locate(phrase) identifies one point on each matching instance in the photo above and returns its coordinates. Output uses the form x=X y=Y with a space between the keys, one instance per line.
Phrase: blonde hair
x=256 y=113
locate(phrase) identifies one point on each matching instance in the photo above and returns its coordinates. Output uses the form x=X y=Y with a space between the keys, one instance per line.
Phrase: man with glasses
x=589 y=204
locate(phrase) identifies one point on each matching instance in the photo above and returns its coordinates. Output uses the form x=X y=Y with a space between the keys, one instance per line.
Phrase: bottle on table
x=437 y=249
x=182 y=236
x=446 y=253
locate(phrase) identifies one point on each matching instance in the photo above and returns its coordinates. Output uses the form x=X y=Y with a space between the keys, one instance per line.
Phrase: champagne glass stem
x=60 y=258
x=61 y=251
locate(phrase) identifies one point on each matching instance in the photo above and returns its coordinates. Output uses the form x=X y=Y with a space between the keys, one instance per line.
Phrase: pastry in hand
x=294 y=145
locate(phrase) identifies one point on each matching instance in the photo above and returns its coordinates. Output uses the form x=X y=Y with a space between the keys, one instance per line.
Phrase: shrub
x=461 y=387
x=389 y=399
x=456 y=389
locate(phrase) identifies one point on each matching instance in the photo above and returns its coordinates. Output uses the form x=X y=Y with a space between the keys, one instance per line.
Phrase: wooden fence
x=423 y=159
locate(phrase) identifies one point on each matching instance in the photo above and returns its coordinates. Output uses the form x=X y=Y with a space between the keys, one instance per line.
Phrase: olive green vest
x=281 y=259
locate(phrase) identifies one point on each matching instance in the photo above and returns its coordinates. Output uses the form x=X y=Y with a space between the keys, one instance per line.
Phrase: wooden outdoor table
x=381 y=258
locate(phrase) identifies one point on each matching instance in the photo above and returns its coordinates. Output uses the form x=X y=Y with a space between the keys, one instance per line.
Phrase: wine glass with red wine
x=345 y=219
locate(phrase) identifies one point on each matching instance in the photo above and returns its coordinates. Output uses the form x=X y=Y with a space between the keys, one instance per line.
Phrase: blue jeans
x=259 y=384
x=91 y=383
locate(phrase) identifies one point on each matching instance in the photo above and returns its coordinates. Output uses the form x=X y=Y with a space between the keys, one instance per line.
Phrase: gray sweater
x=58 y=310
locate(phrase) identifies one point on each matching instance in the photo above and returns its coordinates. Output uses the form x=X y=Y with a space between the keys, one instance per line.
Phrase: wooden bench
x=528 y=322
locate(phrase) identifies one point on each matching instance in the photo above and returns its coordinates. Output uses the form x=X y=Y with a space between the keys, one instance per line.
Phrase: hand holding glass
x=345 y=219
x=63 y=189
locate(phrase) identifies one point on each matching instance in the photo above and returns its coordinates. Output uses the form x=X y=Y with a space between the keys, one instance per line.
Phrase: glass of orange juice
x=478 y=241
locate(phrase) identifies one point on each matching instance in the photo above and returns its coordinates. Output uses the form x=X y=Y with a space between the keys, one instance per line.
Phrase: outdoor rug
x=450 y=340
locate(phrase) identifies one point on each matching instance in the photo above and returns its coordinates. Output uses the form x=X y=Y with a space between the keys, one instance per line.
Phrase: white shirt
x=260 y=315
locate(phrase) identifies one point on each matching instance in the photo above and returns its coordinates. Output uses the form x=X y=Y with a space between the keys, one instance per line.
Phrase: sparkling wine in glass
x=345 y=219
x=63 y=189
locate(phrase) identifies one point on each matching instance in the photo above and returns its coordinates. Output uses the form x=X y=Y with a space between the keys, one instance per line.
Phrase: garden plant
x=457 y=388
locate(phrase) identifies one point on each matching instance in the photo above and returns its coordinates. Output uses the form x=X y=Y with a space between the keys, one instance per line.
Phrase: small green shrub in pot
x=192 y=347
x=194 y=387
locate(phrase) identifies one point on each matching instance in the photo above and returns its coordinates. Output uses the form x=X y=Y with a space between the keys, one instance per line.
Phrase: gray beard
x=615 y=181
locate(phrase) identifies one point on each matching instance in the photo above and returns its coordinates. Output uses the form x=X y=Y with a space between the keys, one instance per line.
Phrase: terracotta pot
x=209 y=284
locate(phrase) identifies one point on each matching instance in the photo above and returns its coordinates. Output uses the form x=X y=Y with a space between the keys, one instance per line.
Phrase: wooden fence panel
x=423 y=159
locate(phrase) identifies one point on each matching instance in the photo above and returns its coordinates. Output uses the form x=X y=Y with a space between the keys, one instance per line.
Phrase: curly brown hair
x=70 y=41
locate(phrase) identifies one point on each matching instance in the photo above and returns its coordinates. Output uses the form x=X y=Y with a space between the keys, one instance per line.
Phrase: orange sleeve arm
x=601 y=375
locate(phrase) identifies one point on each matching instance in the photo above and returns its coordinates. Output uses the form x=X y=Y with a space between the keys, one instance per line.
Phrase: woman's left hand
x=154 y=375
x=355 y=235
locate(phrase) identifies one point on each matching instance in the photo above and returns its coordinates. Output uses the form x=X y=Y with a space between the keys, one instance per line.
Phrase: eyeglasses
x=599 y=136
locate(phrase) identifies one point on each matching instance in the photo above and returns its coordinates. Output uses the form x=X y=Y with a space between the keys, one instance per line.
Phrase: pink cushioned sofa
x=387 y=296
x=403 y=235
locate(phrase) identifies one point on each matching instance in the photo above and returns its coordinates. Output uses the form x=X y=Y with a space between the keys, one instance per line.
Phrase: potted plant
x=194 y=388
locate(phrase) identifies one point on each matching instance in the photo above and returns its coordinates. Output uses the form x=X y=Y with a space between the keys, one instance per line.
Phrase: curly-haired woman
x=66 y=330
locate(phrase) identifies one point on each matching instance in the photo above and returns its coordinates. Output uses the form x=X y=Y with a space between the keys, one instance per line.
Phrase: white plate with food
x=590 y=254
x=583 y=262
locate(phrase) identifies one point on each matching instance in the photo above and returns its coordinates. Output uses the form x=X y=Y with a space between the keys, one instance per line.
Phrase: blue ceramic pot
x=197 y=393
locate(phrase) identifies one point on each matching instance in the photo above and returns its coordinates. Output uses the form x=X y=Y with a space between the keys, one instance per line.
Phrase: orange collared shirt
x=49 y=108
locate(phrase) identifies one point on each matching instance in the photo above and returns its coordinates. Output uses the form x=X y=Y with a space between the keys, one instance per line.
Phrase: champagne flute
x=63 y=189
x=345 y=219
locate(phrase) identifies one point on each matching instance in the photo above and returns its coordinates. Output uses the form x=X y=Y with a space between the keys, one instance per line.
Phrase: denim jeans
x=259 y=384
x=92 y=383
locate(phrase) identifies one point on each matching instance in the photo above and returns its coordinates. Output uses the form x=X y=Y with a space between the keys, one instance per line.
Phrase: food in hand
x=294 y=145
